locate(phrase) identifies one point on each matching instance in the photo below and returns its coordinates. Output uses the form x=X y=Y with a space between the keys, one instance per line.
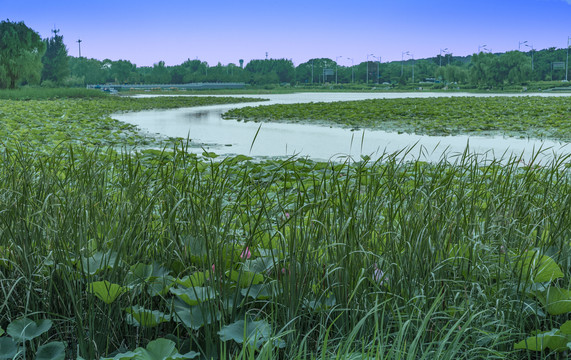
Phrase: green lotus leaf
x=553 y=340
x=253 y=333
x=51 y=351
x=27 y=329
x=557 y=301
x=196 y=316
x=194 y=295
x=106 y=291
x=98 y=262
x=145 y=317
x=245 y=278
x=566 y=327
x=538 y=268
x=196 y=279
x=8 y=348
x=159 y=349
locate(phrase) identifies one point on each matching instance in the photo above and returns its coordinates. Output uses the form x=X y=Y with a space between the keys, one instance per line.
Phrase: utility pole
x=79 y=44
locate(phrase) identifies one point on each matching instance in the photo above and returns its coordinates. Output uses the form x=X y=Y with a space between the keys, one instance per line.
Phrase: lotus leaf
x=52 y=351
x=145 y=317
x=106 y=291
x=27 y=329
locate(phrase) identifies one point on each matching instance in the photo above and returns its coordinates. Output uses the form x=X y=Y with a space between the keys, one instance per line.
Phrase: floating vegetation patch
x=526 y=116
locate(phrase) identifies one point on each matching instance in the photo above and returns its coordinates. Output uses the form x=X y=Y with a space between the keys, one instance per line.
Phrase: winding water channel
x=208 y=131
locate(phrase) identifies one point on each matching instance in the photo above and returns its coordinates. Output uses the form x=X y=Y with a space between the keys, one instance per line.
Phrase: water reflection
x=207 y=129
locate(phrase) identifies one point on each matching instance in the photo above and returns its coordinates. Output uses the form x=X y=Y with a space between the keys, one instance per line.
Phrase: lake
x=208 y=131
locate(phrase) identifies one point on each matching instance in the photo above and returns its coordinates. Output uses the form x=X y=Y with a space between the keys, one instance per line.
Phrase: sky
x=349 y=31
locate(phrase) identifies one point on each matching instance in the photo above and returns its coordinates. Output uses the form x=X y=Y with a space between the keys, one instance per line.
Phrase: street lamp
x=367 y=77
x=520 y=43
x=79 y=44
x=412 y=56
x=336 y=67
x=402 y=62
x=531 y=46
x=445 y=50
x=567 y=61
x=352 y=70
x=482 y=47
x=378 y=75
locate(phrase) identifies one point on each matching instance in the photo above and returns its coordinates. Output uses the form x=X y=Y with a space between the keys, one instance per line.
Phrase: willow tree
x=21 y=51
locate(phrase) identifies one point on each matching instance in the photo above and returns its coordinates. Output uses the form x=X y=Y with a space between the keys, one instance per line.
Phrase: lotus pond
x=112 y=250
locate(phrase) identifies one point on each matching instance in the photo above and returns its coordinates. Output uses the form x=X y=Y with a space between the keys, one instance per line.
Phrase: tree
x=56 y=67
x=21 y=50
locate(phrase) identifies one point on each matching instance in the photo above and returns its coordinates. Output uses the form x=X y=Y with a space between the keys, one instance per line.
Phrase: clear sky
x=146 y=32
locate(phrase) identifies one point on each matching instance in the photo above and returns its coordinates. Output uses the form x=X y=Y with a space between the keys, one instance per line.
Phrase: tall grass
x=384 y=260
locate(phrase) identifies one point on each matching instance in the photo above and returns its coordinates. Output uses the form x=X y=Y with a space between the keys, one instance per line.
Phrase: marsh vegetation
x=111 y=249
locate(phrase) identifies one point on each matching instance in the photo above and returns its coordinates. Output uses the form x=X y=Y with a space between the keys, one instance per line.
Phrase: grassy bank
x=109 y=253
x=536 y=117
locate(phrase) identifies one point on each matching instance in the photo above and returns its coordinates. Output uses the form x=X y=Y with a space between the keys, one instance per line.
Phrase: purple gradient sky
x=146 y=32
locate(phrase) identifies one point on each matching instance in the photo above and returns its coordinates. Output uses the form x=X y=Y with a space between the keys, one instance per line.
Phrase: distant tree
x=160 y=74
x=123 y=71
x=90 y=70
x=21 y=50
x=55 y=59
x=283 y=68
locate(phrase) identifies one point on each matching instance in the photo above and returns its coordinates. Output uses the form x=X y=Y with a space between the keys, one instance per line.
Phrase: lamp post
x=531 y=46
x=378 y=64
x=336 y=67
x=481 y=47
x=445 y=50
x=312 y=71
x=367 y=77
x=520 y=43
x=412 y=56
x=79 y=44
x=402 y=62
x=352 y=70
x=567 y=61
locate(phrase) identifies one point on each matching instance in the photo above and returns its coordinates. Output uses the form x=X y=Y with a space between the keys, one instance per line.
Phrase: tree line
x=25 y=58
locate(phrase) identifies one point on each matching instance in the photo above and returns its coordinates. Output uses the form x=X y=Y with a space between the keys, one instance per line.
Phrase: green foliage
x=106 y=291
x=231 y=258
x=160 y=349
x=25 y=329
x=512 y=116
x=21 y=50
x=251 y=333
x=51 y=351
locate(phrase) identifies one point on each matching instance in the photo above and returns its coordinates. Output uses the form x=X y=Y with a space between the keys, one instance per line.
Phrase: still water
x=208 y=131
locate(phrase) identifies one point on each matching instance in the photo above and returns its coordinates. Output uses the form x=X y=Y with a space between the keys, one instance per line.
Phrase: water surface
x=208 y=131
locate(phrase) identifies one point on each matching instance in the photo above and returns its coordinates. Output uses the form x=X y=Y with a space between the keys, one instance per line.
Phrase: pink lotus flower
x=246 y=254
x=287 y=215
x=379 y=275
